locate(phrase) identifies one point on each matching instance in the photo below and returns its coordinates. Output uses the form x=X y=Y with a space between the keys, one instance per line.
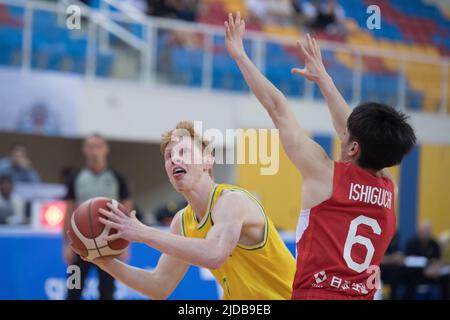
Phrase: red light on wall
x=52 y=214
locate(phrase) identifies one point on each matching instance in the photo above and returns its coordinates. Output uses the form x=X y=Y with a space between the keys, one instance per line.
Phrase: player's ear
x=208 y=162
x=353 y=149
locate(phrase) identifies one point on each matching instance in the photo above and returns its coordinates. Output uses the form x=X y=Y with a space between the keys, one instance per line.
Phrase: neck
x=371 y=171
x=97 y=167
x=198 y=196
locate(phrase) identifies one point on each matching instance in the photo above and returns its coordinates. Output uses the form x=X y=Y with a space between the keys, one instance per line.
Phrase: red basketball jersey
x=341 y=241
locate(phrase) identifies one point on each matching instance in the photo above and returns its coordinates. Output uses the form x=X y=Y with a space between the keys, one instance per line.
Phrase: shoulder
x=233 y=197
x=118 y=175
x=176 y=224
x=231 y=203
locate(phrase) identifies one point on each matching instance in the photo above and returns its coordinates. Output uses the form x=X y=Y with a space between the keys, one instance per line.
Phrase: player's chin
x=179 y=185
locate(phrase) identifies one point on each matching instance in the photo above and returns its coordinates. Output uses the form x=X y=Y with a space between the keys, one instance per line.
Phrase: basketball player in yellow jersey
x=224 y=228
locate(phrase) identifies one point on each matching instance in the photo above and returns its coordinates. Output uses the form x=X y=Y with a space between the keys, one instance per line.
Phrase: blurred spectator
x=65 y=175
x=12 y=207
x=310 y=11
x=96 y=179
x=166 y=213
x=270 y=11
x=18 y=166
x=188 y=10
x=392 y=267
x=161 y=8
x=444 y=243
x=178 y=9
x=327 y=15
x=423 y=245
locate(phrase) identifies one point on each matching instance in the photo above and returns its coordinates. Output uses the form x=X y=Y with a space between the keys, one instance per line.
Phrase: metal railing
x=103 y=22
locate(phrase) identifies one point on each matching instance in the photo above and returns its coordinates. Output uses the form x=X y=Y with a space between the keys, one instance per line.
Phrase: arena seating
x=420 y=27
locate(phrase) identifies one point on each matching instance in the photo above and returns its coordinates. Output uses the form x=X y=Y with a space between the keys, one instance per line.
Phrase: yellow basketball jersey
x=263 y=271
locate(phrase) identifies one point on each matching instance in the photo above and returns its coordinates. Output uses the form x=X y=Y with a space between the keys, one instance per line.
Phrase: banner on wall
x=39 y=102
x=32 y=268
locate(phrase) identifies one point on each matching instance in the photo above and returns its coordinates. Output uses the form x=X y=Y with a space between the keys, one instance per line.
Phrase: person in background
x=331 y=18
x=328 y=16
x=391 y=267
x=96 y=179
x=18 y=165
x=178 y=9
x=12 y=207
x=165 y=214
x=444 y=265
x=188 y=10
x=310 y=11
x=278 y=12
x=162 y=8
x=421 y=245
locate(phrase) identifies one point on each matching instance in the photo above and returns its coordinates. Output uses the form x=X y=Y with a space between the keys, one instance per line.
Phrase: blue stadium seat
x=187 y=66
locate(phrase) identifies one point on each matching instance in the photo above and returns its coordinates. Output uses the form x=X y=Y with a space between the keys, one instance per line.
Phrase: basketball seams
x=84 y=240
x=91 y=228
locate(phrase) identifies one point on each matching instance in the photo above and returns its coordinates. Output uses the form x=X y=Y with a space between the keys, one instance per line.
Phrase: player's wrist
x=105 y=264
x=142 y=235
x=240 y=57
x=324 y=80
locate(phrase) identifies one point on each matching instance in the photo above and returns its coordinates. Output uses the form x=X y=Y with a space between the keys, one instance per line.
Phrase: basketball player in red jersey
x=348 y=218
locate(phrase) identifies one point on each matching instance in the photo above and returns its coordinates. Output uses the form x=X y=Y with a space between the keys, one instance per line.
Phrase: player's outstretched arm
x=209 y=252
x=314 y=70
x=307 y=156
x=157 y=284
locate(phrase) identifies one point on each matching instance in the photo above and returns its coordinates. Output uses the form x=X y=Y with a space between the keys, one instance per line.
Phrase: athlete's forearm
x=146 y=282
x=200 y=252
x=274 y=101
x=268 y=95
x=339 y=109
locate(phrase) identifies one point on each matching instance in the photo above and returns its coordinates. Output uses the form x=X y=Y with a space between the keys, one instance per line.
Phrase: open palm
x=234 y=32
x=310 y=54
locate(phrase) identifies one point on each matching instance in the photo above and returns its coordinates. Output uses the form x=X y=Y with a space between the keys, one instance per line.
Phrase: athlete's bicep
x=227 y=217
x=309 y=157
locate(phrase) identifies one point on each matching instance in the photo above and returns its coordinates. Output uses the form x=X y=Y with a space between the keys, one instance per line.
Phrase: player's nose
x=176 y=159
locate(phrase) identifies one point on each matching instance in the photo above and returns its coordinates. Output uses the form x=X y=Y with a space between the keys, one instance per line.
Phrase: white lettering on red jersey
x=339 y=239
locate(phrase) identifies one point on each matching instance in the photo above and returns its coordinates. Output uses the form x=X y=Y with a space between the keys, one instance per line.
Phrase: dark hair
x=5 y=178
x=383 y=133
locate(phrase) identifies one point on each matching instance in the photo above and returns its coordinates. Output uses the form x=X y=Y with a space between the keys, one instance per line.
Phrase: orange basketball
x=86 y=232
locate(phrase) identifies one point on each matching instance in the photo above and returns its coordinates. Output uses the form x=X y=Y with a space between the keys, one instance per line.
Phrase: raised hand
x=234 y=32
x=309 y=53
